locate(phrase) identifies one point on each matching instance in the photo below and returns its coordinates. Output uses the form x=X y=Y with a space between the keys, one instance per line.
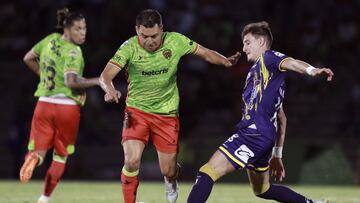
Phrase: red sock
x=129 y=187
x=53 y=176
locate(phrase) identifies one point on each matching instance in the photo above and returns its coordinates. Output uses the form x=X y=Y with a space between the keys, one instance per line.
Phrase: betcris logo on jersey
x=155 y=72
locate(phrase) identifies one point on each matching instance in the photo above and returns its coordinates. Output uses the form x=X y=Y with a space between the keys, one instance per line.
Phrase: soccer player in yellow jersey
x=58 y=61
x=150 y=59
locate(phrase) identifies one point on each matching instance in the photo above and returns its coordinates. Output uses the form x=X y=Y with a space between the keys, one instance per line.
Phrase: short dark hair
x=66 y=18
x=258 y=29
x=149 y=18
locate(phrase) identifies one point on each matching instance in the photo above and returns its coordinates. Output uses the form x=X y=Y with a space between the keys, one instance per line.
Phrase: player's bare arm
x=106 y=77
x=282 y=121
x=74 y=81
x=214 y=57
x=276 y=165
x=305 y=68
x=30 y=59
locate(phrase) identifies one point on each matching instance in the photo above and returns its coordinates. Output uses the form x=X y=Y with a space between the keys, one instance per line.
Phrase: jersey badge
x=167 y=53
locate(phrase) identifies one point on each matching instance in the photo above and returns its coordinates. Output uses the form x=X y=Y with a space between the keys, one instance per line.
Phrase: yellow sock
x=210 y=171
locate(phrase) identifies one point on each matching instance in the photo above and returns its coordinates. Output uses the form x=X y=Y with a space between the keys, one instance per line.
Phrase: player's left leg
x=217 y=167
x=262 y=188
x=41 y=136
x=165 y=131
x=170 y=169
x=67 y=119
x=32 y=160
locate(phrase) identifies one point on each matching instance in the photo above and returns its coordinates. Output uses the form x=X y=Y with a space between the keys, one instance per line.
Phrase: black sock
x=282 y=193
x=201 y=189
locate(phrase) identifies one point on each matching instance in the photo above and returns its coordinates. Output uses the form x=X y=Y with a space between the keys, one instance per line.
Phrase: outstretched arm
x=30 y=59
x=305 y=68
x=74 y=81
x=276 y=165
x=214 y=57
x=106 y=77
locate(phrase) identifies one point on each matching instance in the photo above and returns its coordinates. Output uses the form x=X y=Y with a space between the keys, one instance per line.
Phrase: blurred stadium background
x=322 y=143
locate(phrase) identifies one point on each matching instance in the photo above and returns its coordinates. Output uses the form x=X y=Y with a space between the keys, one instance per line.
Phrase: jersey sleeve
x=186 y=45
x=273 y=60
x=39 y=46
x=73 y=61
x=122 y=55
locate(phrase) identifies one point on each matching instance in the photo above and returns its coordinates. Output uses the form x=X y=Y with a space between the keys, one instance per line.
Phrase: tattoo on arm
x=74 y=81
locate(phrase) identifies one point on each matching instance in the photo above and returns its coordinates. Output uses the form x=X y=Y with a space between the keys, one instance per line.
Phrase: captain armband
x=277 y=152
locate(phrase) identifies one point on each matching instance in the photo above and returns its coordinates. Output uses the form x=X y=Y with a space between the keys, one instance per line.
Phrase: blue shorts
x=248 y=148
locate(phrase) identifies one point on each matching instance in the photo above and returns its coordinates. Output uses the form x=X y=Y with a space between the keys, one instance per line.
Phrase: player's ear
x=262 y=41
x=66 y=32
x=161 y=26
x=137 y=29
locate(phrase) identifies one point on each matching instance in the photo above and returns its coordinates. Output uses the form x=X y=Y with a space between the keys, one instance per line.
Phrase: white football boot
x=171 y=190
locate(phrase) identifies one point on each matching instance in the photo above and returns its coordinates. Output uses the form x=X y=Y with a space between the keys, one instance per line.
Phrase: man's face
x=252 y=47
x=150 y=38
x=77 y=32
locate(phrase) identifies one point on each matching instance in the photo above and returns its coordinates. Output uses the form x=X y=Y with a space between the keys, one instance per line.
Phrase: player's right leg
x=53 y=175
x=135 y=136
x=217 y=167
x=40 y=140
x=133 y=150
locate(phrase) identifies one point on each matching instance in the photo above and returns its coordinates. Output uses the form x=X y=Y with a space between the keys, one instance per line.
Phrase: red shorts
x=54 y=125
x=163 y=130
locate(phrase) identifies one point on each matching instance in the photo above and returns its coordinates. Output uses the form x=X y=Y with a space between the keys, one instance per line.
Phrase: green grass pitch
x=153 y=192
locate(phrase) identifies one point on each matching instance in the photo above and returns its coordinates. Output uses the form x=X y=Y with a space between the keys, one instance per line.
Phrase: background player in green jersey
x=150 y=59
x=58 y=60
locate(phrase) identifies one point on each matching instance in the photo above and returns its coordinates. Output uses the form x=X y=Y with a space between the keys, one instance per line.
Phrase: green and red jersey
x=152 y=75
x=56 y=58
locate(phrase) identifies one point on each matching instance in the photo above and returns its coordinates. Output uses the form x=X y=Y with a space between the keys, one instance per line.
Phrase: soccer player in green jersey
x=58 y=61
x=150 y=58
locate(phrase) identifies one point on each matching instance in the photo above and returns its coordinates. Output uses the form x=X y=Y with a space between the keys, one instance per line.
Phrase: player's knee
x=41 y=153
x=170 y=171
x=59 y=158
x=209 y=170
x=259 y=189
x=167 y=170
x=132 y=163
